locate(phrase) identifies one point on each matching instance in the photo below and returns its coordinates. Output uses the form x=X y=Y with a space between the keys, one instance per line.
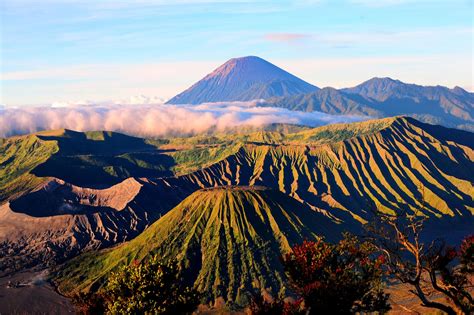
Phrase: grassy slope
x=345 y=170
x=231 y=238
x=390 y=164
x=104 y=158
x=380 y=163
x=18 y=156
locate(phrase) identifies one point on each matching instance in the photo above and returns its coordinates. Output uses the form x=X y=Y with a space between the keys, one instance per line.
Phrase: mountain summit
x=243 y=79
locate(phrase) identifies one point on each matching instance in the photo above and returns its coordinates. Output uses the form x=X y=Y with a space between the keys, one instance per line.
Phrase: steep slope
x=349 y=169
x=243 y=79
x=385 y=97
x=227 y=240
x=343 y=171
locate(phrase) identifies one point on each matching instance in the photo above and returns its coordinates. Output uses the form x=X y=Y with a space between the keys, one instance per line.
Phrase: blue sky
x=54 y=50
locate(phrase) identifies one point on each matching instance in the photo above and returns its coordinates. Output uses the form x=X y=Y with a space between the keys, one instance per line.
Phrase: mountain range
x=242 y=197
x=227 y=205
x=252 y=78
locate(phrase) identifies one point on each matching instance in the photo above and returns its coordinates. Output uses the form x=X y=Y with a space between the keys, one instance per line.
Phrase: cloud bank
x=154 y=120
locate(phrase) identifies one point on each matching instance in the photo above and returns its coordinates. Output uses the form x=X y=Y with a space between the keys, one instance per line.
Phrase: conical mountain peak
x=243 y=79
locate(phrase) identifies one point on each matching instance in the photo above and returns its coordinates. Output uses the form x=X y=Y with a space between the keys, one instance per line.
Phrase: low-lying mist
x=154 y=120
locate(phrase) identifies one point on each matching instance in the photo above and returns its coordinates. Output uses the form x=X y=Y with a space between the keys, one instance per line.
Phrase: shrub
x=150 y=287
x=330 y=278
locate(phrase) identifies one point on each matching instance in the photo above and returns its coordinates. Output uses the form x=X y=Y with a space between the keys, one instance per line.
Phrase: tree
x=340 y=278
x=89 y=303
x=262 y=306
x=426 y=267
x=150 y=287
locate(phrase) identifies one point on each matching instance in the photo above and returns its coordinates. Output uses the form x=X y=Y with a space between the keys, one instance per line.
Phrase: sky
x=72 y=50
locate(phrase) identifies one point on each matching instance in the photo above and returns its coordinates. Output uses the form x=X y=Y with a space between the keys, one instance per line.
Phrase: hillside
x=343 y=171
x=340 y=172
x=227 y=240
x=385 y=97
x=18 y=156
x=326 y=100
x=243 y=79
x=349 y=169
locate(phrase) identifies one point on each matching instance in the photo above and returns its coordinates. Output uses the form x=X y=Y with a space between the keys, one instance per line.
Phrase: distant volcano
x=243 y=79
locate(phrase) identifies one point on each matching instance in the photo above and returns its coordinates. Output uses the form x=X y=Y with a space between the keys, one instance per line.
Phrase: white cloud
x=154 y=120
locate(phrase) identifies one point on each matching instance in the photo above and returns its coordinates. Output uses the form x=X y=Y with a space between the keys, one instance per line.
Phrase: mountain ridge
x=339 y=173
x=342 y=171
x=227 y=240
x=386 y=97
x=254 y=79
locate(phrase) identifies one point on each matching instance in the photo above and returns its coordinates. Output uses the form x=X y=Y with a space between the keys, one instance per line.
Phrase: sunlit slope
x=349 y=170
x=343 y=171
x=243 y=79
x=228 y=241
x=18 y=156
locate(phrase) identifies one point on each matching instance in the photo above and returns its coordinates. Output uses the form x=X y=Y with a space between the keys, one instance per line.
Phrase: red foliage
x=344 y=276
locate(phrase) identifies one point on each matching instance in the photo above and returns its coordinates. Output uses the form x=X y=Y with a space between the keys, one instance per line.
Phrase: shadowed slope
x=93 y=159
x=228 y=242
x=101 y=159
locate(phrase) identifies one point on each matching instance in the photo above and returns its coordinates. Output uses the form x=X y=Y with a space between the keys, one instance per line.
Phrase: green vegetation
x=339 y=132
x=100 y=158
x=197 y=157
x=149 y=287
x=18 y=157
x=228 y=240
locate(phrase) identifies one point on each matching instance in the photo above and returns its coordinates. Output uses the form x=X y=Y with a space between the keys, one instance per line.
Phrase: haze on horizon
x=58 y=51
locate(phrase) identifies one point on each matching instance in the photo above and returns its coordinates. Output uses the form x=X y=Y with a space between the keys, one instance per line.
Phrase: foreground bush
x=150 y=287
x=340 y=278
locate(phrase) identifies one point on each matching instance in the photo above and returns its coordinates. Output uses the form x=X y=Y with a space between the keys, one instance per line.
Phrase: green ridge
x=227 y=240
x=18 y=156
